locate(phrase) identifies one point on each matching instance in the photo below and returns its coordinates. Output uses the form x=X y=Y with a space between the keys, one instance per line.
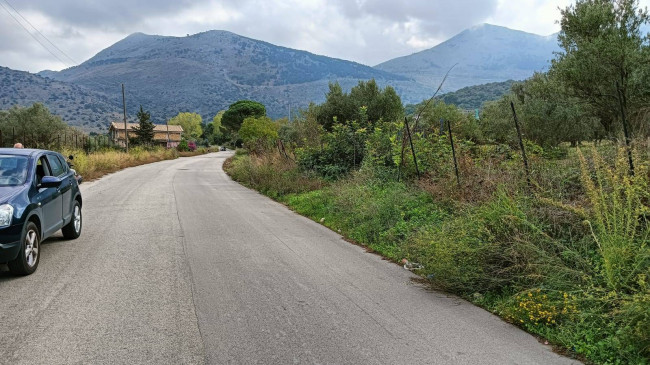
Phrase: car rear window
x=13 y=170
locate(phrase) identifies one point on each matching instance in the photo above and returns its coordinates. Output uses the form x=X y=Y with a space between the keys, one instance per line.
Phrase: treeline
x=473 y=97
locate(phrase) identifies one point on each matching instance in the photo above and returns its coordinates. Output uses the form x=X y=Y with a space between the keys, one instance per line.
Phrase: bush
x=343 y=150
x=183 y=146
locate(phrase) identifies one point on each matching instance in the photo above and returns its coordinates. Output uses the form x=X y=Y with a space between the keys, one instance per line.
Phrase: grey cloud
x=114 y=15
x=437 y=17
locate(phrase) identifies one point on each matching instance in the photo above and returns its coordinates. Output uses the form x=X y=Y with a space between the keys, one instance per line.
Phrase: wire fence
x=56 y=141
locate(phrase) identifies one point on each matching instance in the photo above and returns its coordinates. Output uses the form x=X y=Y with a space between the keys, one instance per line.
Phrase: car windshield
x=13 y=170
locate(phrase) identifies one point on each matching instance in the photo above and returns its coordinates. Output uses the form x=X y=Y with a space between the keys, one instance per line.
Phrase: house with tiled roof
x=164 y=134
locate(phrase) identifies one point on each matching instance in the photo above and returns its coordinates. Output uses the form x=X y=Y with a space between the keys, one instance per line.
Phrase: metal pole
x=453 y=152
x=521 y=145
x=415 y=159
x=167 y=122
x=126 y=131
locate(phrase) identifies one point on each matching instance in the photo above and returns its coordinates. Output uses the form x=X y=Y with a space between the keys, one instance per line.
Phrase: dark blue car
x=39 y=195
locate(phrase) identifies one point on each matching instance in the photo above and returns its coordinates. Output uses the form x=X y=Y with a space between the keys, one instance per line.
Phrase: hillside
x=208 y=71
x=473 y=97
x=483 y=54
x=76 y=105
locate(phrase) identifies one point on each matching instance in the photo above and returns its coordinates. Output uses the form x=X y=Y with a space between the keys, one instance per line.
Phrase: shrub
x=617 y=217
x=183 y=146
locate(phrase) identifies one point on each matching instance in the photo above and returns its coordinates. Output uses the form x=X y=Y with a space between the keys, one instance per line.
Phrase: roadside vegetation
x=562 y=250
x=99 y=163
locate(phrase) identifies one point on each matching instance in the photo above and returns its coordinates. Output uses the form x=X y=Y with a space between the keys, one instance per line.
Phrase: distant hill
x=473 y=97
x=206 y=72
x=483 y=54
x=77 y=106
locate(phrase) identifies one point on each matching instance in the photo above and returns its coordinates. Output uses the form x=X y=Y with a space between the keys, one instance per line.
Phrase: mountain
x=206 y=72
x=473 y=97
x=482 y=54
x=76 y=105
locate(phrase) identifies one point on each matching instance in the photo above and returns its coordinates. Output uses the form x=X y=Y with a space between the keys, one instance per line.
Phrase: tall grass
x=271 y=174
x=96 y=164
x=618 y=218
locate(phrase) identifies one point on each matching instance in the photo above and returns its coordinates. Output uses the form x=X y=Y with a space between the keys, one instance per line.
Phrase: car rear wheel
x=72 y=230
x=28 y=258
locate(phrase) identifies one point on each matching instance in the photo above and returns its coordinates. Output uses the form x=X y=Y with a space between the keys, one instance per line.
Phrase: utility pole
x=167 y=123
x=126 y=131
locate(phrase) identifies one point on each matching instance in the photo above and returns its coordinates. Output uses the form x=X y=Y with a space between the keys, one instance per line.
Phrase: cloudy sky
x=365 y=31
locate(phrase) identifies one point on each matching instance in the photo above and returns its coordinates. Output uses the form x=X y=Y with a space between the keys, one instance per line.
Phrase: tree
x=191 y=124
x=546 y=114
x=216 y=134
x=144 y=132
x=603 y=45
x=216 y=121
x=233 y=118
x=35 y=126
x=464 y=124
x=258 y=134
x=380 y=105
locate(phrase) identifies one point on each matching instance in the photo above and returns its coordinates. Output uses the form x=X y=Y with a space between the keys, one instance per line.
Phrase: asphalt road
x=177 y=264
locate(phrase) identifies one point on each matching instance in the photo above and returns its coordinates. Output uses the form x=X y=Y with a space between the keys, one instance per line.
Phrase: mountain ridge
x=486 y=53
x=207 y=71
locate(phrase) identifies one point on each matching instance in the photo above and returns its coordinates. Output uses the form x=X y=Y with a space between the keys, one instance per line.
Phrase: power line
x=42 y=35
x=32 y=35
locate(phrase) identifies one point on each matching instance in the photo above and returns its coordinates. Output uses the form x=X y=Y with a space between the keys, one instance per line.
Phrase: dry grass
x=98 y=164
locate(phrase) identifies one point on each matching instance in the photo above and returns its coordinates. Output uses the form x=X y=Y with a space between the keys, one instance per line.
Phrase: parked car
x=39 y=195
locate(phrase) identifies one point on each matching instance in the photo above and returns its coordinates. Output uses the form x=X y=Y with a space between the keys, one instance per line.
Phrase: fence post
x=415 y=159
x=521 y=145
x=453 y=152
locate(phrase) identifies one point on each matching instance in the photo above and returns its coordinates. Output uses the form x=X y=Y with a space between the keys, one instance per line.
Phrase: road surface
x=177 y=264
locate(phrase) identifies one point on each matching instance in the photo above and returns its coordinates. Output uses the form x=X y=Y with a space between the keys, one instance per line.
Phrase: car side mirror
x=50 y=182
